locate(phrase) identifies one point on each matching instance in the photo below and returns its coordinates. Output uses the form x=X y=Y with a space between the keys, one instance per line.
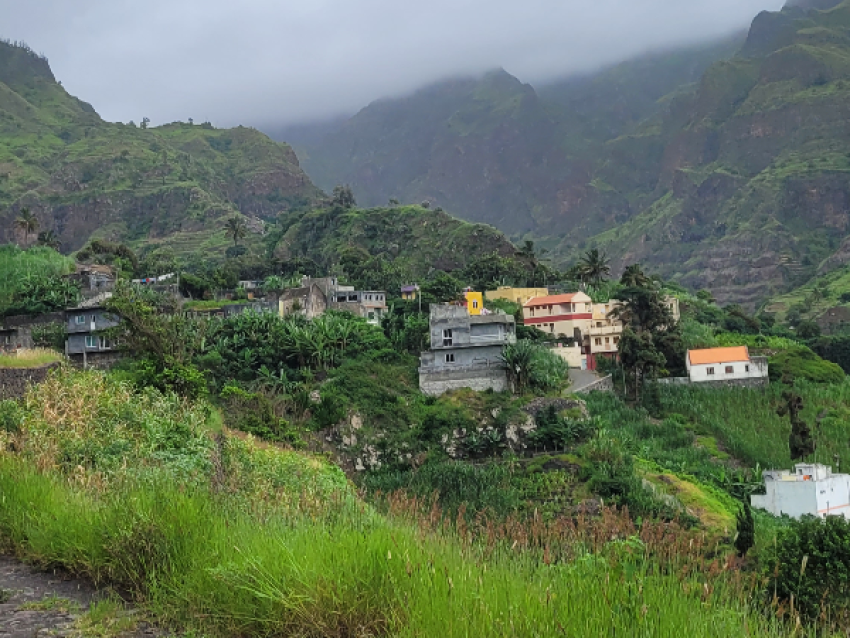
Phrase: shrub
x=812 y=565
x=801 y=363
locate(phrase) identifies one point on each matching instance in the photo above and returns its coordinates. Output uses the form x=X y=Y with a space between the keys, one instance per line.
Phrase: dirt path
x=36 y=604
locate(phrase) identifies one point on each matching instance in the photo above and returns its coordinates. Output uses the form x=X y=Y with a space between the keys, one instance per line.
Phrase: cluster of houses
x=467 y=340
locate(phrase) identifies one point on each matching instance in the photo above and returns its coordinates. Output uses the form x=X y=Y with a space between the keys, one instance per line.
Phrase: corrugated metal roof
x=718 y=355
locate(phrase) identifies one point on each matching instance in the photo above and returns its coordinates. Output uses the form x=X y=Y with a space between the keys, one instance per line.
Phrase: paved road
x=582 y=379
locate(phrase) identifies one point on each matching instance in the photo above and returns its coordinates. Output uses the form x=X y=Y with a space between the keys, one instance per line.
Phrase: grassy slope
x=86 y=177
x=279 y=546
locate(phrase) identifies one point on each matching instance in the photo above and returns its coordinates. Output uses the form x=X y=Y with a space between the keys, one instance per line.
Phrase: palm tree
x=634 y=277
x=594 y=267
x=28 y=223
x=236 y=229
x=49 y=239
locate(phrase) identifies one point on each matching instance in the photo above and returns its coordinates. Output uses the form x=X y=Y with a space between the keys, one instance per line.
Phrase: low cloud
x=274 y=62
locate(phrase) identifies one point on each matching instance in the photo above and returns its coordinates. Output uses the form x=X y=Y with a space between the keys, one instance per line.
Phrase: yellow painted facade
x=474 y=302
x=519 y=296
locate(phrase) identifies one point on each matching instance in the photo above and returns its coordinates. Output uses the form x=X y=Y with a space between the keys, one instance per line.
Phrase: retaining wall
x=15 y=381
x=752 y=382
x=437 y=383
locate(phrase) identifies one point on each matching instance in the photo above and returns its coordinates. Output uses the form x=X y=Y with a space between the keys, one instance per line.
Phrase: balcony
x=605 y=331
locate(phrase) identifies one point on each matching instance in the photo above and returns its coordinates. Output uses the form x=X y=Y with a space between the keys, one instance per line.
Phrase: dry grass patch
x=34 y=358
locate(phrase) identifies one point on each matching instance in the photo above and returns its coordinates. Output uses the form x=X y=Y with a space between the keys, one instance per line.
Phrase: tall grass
x=231 y=538
x=32 y=358
x=194 y=559
x=746 y=423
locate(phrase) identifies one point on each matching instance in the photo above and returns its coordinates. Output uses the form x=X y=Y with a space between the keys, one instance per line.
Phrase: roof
x=718 y=355
x=555 y=299
x=95 y=302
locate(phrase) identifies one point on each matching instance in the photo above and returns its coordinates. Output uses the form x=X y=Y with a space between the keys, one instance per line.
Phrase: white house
x=725 y=364
x=809 y=489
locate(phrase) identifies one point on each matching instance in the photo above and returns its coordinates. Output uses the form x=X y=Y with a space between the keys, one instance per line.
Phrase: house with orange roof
x=725 y=365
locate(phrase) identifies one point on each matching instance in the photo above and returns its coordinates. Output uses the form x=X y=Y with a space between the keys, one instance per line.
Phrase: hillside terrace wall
x=15 y=381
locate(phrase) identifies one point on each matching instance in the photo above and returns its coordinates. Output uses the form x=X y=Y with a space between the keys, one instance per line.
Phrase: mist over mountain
x=722 y=165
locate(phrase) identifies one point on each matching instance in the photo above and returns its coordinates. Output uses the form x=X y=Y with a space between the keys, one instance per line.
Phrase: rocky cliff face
x=84 y=177
x=751 y=193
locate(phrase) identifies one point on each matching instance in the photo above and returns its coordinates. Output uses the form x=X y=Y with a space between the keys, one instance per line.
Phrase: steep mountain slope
x=481 y=147
x=82 y=176
x=492 y=148
x=748 y=175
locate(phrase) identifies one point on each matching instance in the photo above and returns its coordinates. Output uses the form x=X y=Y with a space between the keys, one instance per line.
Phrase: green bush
x=812 y=565
x=800 y=362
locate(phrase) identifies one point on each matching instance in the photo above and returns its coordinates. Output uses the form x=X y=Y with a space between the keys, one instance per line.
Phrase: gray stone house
x=466 y=351
x=84 y=324
x=369 y=304
x=309 y=301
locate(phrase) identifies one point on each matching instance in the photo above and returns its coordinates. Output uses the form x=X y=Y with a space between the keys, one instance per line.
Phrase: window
x=616 y=340
x=730 y=369
x=80 y=319
x=607 y=340
x=709 y=371
x=91 y=342
x=94 y=318
x=598 y=324
x=447 y=338
x=474 y=305
x=450 y=358
x=746 y=368
x=106 y=344
x=598 y=341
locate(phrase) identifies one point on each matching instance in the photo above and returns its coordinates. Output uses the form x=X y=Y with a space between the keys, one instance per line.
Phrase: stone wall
x=437 y=383
x=753 y=382
x=15 y=381
x=100 y=360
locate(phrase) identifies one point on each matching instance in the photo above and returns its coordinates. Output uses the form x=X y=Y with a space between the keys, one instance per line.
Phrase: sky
x=279 y=62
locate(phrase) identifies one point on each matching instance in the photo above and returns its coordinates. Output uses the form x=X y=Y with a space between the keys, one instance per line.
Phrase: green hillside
x=413 y=240
x=84 y=177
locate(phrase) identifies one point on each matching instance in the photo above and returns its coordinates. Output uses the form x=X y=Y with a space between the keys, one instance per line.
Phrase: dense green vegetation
x=131 y=491
x=32 y=273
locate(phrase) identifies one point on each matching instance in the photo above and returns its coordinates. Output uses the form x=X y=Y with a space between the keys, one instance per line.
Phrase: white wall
x=699 y=373
x=830 y=496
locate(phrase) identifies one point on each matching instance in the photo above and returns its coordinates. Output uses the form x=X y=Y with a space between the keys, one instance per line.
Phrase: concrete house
x=466 y=351
x=602 y=334
x=726 y=365
x=369 y=304
x=309 y=301
x=83 y=324
x=809 y=489
x=567 y=315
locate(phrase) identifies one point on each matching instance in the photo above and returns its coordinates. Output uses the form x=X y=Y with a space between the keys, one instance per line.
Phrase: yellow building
x=519 y=296
x=474 y=302
x=409 y=293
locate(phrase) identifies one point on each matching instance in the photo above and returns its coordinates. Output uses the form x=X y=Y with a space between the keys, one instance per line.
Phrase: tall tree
x=746 y=537
x=49 y=239
x=343 y=197
x=801 y=443
x=594 y=267
x=236 y=229
x=640 y=358
x=28 y=223
x=634 y=277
